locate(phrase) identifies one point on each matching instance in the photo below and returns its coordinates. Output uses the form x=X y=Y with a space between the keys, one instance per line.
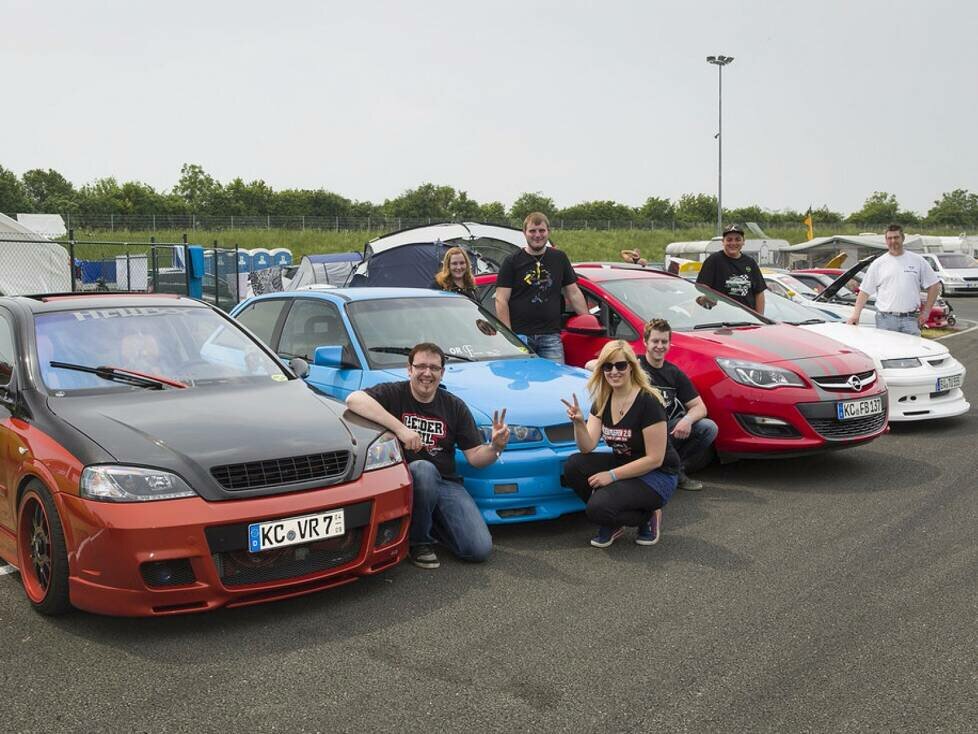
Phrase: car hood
x=837 y=284
x=529 y=389
x=189 y=431
x=768 y=344
x=879 y=343
x=961 y=272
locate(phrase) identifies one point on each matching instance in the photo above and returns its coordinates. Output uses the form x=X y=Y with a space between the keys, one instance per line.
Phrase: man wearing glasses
x=430 y=423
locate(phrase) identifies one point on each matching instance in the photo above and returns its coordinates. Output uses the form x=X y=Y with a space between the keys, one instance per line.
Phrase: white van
x=958 y=272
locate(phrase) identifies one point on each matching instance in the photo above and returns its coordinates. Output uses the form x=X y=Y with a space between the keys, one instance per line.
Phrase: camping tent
x=30 y=263
x=821 y=249
x=333 y=269
x=411 y=257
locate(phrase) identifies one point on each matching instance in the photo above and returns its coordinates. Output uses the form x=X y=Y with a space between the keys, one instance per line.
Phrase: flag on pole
x=810 y=224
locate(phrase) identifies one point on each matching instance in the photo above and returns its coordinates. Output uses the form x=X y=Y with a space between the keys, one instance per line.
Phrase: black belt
x=900 y=313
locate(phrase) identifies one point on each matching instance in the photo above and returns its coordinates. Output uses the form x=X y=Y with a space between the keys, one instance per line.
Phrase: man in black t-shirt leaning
x=733 y=273
x=529 y=286
x=690 y=431
x=429 y=423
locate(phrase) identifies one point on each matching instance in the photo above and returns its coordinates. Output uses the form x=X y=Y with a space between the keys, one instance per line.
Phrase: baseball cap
x=733 y=229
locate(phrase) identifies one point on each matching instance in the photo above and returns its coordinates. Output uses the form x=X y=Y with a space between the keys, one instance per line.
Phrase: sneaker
x=690 y=485
x=648 y=534
x=606 y=536
x=423 y=556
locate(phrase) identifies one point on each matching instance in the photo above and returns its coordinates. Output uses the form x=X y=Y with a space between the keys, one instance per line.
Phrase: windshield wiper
x=461 y=357
x=724 y=325
x=391 y=350
x=127 y=377
x=808 y=321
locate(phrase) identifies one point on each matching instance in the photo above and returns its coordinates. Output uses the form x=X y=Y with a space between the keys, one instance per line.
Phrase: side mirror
x=300 y=367
x=586 y=325
x=328 y=357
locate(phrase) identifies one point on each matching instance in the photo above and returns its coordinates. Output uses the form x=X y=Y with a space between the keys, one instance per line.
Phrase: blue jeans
x=547 y=346
x=903 y=324
x=701 y=436
x=446 y=513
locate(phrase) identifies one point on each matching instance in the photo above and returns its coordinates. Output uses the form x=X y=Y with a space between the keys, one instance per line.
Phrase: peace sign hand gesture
x=500 y=431
x=574 y=410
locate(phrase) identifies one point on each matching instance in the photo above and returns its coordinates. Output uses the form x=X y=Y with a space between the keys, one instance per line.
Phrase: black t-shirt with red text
x=625 y=437
x=443 y=424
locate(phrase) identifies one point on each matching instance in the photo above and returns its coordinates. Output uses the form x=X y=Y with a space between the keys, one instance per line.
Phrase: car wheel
x=41 y=552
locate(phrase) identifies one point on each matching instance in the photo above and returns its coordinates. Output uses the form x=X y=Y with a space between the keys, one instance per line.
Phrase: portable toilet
x=281 y=256
x=245 y=259
x=261 y=259
x=209 y=263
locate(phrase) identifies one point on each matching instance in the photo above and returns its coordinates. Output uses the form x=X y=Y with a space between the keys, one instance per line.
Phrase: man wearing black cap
x=733 y=273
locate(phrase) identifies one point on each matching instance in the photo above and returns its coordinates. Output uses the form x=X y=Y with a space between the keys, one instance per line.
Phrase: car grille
x=842 y=383
x=971 y=280
x=239 y=568
x=291 y=470
x=564 y=433
x=854 y=428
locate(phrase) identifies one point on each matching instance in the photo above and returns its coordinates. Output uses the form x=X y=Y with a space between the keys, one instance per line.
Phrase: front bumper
x=914 y=397
x=117 y=550
x=523 y=485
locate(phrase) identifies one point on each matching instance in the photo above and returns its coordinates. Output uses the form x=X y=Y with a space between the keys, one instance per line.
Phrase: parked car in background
x=774 y=390
x=958 y=272
x=159 y=460
x=353 y=338
x=923 y=380
x=822 y=278
x=785 y=284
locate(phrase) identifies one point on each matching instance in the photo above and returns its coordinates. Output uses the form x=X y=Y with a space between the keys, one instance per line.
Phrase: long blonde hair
x=598 y=386
x=444 y=278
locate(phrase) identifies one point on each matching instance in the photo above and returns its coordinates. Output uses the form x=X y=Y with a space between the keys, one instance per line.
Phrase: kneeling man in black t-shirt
x=430 y=423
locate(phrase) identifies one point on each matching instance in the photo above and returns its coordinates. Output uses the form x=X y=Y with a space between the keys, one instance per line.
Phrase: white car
x=922 y=378
x=786 y=285
x=958 y=272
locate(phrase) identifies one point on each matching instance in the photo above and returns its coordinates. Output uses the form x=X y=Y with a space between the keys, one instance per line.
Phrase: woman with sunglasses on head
x=455 y=274
x=630 y=485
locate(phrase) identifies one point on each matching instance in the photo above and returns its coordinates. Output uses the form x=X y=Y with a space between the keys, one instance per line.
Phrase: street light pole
x=719 y=62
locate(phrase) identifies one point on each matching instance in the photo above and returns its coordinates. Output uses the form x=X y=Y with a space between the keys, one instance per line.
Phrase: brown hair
x=426 y=347
x=657 y=325
x=598 y=386
x=444 y=278
x=535 y=218
x=895 y=228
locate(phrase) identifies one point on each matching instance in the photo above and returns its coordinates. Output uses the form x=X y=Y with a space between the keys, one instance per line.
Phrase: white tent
x=47 y=225
x=30 y=263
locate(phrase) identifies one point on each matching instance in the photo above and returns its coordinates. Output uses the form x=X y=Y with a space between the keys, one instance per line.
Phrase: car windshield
x=389 y=327
x=684 y=305
x=787 y=311
x=790 y=281
x=957 y=260
x=176 y=345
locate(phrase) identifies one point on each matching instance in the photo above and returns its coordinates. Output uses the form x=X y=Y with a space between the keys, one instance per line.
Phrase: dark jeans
x=700 y=438
x=625 y=502
x=444 y=511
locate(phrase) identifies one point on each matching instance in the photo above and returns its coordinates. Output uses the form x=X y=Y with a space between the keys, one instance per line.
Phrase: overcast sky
x=825 y=102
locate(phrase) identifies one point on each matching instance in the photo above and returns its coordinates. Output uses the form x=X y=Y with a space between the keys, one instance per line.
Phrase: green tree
x=13 y=196
x=102 y=196
x=656 y=209
x=594 y=211
x=428 y=200
x=882 y=208
x=197 y=188
x=957 y=208
x=462 y=208
x=493 y=211
x=696 y=209
x=48 y=190
x=532 y=202
x=751 y=213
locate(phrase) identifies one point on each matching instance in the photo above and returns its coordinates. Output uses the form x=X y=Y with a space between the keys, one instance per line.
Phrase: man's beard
x=535 y=249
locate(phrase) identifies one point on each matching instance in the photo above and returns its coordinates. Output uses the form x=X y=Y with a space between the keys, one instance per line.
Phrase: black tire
x=41 y=553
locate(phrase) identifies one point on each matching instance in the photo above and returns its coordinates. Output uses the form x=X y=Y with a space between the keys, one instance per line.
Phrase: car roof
x=44 y=303
x=361 y=294
x=603 y=272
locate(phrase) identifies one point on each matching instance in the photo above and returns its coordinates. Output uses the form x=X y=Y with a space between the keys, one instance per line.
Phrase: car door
x=11 y=444
x=316 y=322
x=579 y=348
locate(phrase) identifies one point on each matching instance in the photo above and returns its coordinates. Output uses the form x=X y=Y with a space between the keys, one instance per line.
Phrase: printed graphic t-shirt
x=625 y=437
x=536 y=281
x=442 y=424
x=676 y=388
x=738 y=278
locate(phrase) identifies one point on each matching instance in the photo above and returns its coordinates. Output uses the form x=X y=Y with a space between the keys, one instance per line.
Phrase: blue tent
x=405 y=266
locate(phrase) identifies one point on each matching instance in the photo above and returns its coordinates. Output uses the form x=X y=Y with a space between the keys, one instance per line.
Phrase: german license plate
x=948 y=383
x=264 y=536
x=849 y=409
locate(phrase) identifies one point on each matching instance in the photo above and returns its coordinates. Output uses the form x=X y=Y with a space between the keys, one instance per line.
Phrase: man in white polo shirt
x=896 y=279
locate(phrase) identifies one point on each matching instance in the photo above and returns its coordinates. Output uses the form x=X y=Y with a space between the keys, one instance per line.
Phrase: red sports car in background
x=773 y=389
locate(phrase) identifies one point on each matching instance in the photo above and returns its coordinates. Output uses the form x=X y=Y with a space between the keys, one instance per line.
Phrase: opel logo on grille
x=855 y=383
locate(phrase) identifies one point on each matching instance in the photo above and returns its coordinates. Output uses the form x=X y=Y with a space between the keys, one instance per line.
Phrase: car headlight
x=112 y=483
x=385 y=451
x=517 y=434
x=903 y=363
x=756 y=374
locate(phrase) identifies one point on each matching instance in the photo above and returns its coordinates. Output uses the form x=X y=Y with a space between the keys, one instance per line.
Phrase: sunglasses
x=620 y=366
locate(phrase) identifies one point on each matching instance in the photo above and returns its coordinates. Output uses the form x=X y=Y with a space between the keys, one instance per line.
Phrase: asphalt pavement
x=832 y=593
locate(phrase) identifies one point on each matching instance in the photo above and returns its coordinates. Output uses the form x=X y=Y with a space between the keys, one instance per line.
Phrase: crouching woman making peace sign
x=630 y=485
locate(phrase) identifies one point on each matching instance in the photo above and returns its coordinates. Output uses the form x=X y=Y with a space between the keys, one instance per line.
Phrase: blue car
x=358 y=337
